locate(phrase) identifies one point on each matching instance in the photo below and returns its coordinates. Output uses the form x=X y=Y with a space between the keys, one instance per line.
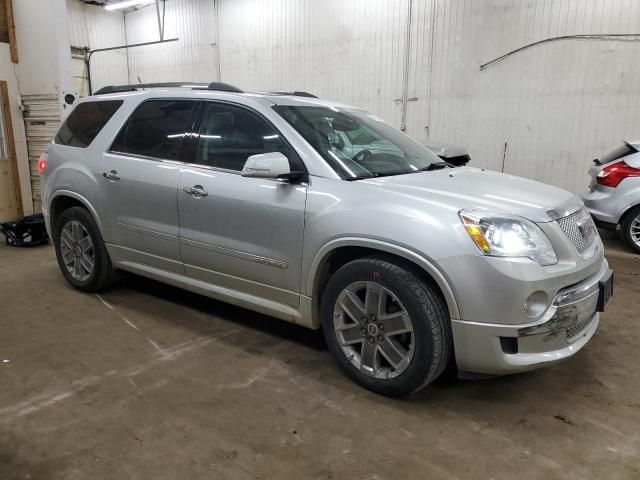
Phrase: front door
x=139 y=182
x=241 y=233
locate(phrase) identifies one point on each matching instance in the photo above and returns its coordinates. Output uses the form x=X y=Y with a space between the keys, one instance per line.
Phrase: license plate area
x=606 y=291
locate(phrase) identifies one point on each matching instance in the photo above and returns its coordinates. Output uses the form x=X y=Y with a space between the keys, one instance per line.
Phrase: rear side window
x=85 y=122
x=156 y=129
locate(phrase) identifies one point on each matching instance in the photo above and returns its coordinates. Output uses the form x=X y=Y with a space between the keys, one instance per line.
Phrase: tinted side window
x=85 y=122
x=230 y=134
x=156 y=129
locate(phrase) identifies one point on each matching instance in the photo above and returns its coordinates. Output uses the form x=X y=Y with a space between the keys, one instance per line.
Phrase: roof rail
x=295 y=93
x=219 y=86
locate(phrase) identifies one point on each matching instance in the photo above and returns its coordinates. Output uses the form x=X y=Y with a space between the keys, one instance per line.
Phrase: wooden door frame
x=11 y=145
x=11 y=30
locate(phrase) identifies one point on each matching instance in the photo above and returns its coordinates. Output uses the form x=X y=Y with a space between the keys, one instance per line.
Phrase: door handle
x=197 y=191
x=112 y=175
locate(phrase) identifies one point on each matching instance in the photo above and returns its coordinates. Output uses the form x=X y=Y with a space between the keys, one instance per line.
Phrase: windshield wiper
x=359 y=177
x=393 y=172
x=378 y=175
x=433 y=166
x=428 y=168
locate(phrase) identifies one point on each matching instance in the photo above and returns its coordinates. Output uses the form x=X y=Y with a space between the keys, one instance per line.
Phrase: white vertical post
x=42 y=33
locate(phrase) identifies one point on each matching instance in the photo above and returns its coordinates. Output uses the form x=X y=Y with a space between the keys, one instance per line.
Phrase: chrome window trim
x=214 y=169
x=188 y=164
x=173 y=162
x=141 y=157
x=260 y=115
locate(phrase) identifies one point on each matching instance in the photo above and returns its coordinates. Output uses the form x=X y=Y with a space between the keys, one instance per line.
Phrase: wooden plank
x=11 y=145
x=4 y=33
x=11 y=28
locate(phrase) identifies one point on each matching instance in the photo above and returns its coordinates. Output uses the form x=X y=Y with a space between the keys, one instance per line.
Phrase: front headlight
x=505 y=236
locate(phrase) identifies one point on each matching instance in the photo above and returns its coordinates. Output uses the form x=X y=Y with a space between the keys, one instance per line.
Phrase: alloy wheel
x=634 y=230
x=373 y=329
x=78 y=253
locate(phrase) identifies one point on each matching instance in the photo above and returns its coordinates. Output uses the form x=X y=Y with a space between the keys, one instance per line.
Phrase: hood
x=473 y=188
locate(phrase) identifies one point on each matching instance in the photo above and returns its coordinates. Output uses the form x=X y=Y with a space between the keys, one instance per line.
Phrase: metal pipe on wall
x=407 y=64
x=120 y=47
x=217 y=10
x=588 y=36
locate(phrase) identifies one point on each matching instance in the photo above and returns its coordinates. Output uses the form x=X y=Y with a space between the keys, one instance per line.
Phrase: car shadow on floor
x=308 y=354
x=213 y=310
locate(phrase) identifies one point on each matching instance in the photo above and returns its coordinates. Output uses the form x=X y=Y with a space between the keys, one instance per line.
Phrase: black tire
x=625 y=228
x=103 y=274
x=432 y=338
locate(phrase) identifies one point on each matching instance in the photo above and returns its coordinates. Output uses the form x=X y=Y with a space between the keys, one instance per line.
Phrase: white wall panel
x=192 y=58
x=94 y=27
x=555 y=105
x=351 y=51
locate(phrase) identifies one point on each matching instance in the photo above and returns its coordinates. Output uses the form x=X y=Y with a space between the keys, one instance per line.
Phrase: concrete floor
x=149 y=382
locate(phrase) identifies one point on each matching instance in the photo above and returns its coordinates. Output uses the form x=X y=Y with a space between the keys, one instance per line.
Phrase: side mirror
x=269 y=165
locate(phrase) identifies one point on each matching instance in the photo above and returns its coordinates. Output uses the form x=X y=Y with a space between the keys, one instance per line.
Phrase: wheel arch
x=338 y=252
x=627 y=212
x=64 y=199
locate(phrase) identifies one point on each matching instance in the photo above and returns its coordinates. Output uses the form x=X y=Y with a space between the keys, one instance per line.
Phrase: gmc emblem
x=586 y=228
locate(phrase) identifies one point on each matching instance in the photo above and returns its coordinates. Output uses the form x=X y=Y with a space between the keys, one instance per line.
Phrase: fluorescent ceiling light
x=126 y=4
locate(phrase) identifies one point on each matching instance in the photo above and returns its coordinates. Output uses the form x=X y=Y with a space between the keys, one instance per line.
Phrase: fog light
x=536 y=304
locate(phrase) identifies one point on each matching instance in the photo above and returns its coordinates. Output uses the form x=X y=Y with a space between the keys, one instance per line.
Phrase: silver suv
x=613 y=198
x=253 y=199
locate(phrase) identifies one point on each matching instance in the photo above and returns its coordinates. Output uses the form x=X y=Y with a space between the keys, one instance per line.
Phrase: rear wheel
x=630 y=229
x=387 y=328
x=81 y=252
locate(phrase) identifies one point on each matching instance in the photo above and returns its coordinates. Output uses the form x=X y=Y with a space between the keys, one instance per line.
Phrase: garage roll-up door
x=41 y=122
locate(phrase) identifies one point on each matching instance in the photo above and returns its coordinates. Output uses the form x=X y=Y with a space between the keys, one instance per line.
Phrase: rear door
x=241 y=233
x=139 y=181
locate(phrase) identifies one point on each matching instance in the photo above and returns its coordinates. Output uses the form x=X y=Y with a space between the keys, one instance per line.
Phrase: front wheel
x=387 y=328
x=630 y=229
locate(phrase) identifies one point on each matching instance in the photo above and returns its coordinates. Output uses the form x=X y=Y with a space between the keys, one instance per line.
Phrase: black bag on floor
x=27 y=232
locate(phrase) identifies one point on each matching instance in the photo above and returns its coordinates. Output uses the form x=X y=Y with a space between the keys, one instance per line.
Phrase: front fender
x=428 y=266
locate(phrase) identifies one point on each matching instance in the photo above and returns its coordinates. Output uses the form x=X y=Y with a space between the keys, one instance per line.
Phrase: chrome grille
x=579 y=229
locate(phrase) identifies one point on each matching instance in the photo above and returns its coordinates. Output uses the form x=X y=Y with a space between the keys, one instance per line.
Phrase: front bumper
x=567 y=325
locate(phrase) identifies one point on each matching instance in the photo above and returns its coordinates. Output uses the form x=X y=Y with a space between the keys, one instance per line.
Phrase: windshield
x=357 y=144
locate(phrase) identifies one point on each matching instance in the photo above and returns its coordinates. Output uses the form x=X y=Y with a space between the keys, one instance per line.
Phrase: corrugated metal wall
x=94 y=27
x=350 y=51
x=556 y=105
x=193 y=58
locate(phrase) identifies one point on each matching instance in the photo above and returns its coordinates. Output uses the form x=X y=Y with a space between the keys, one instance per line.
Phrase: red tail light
x=42 y=163
x=612 y=175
